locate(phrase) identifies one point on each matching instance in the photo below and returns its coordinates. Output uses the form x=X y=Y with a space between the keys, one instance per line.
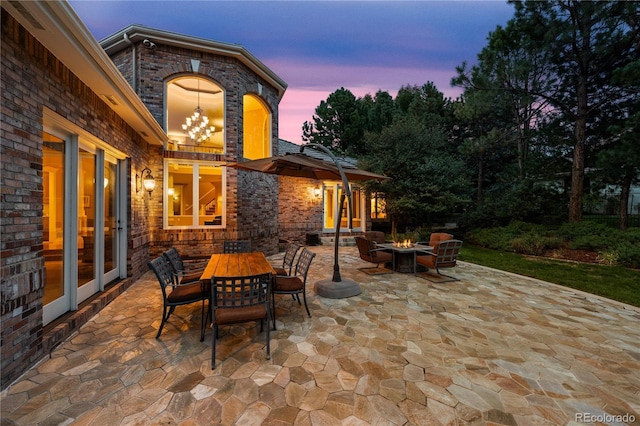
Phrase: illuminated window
x=185 y=95
x=195 y=196
x=256 y=129
x=331 y=204
x=378 y=207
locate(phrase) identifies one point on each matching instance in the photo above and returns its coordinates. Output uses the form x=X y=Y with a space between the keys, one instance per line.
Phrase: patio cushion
x=288 y=284
x=243 y=314
x=437 y=237
x=190 y=277
x=185 y=293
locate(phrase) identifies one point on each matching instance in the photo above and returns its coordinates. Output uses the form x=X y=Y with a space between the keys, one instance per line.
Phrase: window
x=195 y=195
x=187 y=95
x=256 y=129
x=378 y=207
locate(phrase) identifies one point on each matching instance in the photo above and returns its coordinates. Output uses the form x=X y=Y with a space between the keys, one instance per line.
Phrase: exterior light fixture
x=148 y=182
x=316 y=192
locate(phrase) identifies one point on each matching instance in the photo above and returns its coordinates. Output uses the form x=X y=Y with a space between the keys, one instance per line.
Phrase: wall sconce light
x=316 y=192
x=148 y=182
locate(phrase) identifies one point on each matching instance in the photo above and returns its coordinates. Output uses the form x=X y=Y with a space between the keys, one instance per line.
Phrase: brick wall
x=299 y=211
x=32 y=79
x=251 y=211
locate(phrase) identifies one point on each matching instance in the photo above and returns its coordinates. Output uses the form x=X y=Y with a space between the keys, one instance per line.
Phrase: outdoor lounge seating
x=445 y=256
x=294 y=284
x=376 y=236
x=287 y=261
x=436 y=237
x=174 y=294
x=370 y=253
x=236 y=246
x=240 y=299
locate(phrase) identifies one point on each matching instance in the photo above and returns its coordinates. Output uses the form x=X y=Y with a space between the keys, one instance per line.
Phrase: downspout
x=134 y=74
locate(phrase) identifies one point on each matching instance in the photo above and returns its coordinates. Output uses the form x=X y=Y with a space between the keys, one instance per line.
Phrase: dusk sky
x=316 y=47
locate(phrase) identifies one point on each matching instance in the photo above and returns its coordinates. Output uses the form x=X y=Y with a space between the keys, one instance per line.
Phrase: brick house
x=86 y=126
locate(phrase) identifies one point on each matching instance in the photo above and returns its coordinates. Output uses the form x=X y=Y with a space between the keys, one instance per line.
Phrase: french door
x=331 y=202
x=83 y=219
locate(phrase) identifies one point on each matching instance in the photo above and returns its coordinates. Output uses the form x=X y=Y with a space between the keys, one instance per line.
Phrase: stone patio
x=491 y=348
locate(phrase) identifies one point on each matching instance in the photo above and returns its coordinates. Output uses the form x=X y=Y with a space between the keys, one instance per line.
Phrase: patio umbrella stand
x=301 y=165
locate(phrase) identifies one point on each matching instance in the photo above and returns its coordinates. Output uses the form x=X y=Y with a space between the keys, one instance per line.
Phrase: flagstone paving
x=491 y=348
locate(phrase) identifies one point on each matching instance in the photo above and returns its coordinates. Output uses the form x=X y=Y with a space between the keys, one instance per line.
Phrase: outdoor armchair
x=237 y=300
x=436 y=237
x=174 y=294
x=294 y=284
x=376 y=236
x=369 y=252
x=445 y=256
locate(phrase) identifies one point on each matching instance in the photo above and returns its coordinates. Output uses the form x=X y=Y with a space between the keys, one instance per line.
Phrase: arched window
x=190 y=100
x=256 y=128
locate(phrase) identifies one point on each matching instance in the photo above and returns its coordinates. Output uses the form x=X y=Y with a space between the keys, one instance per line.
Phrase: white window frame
x=336 y=196
x=195 y=224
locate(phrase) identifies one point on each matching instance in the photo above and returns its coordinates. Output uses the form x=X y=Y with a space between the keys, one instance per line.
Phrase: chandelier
x=197 y=126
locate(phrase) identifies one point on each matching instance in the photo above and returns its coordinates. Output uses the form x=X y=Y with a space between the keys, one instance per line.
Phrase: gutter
x=59 y=29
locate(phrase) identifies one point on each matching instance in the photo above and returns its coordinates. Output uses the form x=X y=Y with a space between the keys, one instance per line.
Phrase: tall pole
x=347 y=288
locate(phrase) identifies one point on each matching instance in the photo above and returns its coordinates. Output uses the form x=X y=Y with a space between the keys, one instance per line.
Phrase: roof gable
x=140 y=33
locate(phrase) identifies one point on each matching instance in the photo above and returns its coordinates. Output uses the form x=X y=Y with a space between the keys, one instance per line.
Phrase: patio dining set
x=239 y=285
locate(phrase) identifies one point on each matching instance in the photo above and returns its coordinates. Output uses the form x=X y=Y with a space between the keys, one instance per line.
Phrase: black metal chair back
x=237 y=300
x=175 y=260
x=287 y=261
x=236 y=246
x=174 y=294
x=294 y=284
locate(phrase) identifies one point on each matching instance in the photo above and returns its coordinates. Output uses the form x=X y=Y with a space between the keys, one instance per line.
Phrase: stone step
x=343 y=241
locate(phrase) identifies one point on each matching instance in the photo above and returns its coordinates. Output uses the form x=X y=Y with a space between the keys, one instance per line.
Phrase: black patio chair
x=175 y=294
x=287 y=261
x=294 y=284
x=240 y=299
x=236 y=246
x=184 y=274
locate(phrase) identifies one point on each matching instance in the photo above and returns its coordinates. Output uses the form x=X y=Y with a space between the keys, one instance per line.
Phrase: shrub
x=493 y=238
x=574 y=230
x=629 y=254
x=608 y=257
x=534 y=244
x=531 y=244
x=588 y=242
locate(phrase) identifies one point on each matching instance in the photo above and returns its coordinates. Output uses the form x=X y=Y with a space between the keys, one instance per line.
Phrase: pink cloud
x=310 y=84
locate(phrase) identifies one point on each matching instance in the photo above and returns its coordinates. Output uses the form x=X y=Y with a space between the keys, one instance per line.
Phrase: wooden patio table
x=236 y=265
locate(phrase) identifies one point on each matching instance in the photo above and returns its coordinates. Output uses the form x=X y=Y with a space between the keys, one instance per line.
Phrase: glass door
x=331 y=202
x=84 y=220
x=56 y=288
x=112 y=224
x=87 y=224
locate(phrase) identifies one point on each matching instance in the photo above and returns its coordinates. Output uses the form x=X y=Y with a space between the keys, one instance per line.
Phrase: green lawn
x=614 y=282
